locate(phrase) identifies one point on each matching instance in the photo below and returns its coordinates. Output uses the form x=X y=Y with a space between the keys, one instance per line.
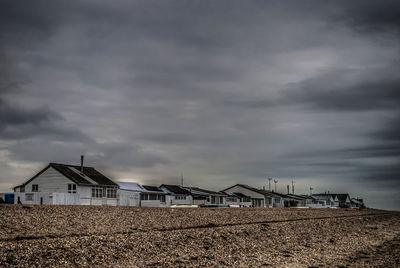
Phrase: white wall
x=48 y=198
x=152 y=203
x=50 y=181
x=245 y=191
x=129 y=198
x=187 y=201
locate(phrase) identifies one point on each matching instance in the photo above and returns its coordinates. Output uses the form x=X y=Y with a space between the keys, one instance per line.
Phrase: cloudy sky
x=222 y=92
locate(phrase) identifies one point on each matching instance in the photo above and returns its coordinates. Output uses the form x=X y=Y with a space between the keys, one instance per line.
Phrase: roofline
x=250 y=188
x=51 y=164
x=34 y=177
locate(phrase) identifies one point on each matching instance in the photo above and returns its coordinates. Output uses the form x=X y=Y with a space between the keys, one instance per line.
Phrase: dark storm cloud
x=374 y=16
x=350 y=90
x=390 y=131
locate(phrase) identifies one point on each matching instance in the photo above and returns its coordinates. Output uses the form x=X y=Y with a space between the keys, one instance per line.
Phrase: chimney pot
x=82 y=163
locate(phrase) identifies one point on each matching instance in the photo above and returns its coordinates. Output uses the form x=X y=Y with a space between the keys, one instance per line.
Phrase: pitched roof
x=343 y=197
x=130 y=186
x=199 y=191
x=323 y=196
x=89 y=176
x=175 y=189
x=241 y=195
x=153 y=189
x=260 y=191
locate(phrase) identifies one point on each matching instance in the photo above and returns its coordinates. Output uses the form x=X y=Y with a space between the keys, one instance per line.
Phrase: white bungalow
x=237 y=199
x=207 y=197
x=178 y=195
x=326 y=200
x=60 y=184
x=259 y=198
x=134 y=194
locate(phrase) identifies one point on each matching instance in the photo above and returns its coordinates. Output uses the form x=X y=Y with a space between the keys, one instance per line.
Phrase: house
x=61 y=184
x=357 y=203
x=344 y=200
x=178 y=194
x=259 y=198
x=134 y=194
x=153 y=197
x=291 y=200
x=301 y=200
x=202 y=196
x=326 y=200
x=237 y=199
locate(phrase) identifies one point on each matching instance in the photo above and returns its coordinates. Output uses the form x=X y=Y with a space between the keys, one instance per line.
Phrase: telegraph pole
x=269 y=184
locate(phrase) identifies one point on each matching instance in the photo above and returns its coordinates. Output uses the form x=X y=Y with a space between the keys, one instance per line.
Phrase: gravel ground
x=123 y=236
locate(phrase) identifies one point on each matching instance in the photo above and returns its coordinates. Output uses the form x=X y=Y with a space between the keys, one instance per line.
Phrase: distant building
x=178 y=194
x=259 y=198
x=203 y=196
x=134 y=194
x=61 y=184
x=237 y=199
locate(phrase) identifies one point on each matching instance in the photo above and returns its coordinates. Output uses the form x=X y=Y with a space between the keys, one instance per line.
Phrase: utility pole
x=292 y=187
x=269 y=184
x=182 y=180
x=275 y=181
x=311 y=190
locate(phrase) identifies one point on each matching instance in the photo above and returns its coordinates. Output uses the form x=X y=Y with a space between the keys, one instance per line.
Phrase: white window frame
x=71 y=188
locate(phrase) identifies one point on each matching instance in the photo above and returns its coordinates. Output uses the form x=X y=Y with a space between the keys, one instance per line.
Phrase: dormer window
x=35 y=187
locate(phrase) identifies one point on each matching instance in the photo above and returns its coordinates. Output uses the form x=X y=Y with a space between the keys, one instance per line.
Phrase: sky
x=219 y=92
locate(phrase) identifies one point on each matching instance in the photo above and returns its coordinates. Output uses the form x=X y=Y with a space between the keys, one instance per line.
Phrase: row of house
x=60 y=184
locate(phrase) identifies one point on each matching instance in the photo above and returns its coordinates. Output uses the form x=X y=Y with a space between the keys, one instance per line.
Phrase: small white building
x=206 y=197
x=178 y=195
x=237 y=199
x=259 y=198
x=134 y=194
x=326 y=200
x=60 y=184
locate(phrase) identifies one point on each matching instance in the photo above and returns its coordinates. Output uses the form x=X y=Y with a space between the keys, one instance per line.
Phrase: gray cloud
x=224 y=92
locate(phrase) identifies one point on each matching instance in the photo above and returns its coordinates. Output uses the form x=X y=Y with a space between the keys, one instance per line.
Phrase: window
x=231 y=199
x=29 y=197
x=246 y=199
x=72 y=188
x=97 y=192
x=180 y=197
x=111 y=192
x=22 y=189
x=35 y=187
x=160 y=197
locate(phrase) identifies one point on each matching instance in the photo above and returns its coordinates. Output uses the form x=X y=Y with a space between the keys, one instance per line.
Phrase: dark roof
x=240 y=195
x=196 y=190
x=298 y=197
x=342 y=197
x=263 y=192
x=175 y=189
x=90 y=176
x=152 y=188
